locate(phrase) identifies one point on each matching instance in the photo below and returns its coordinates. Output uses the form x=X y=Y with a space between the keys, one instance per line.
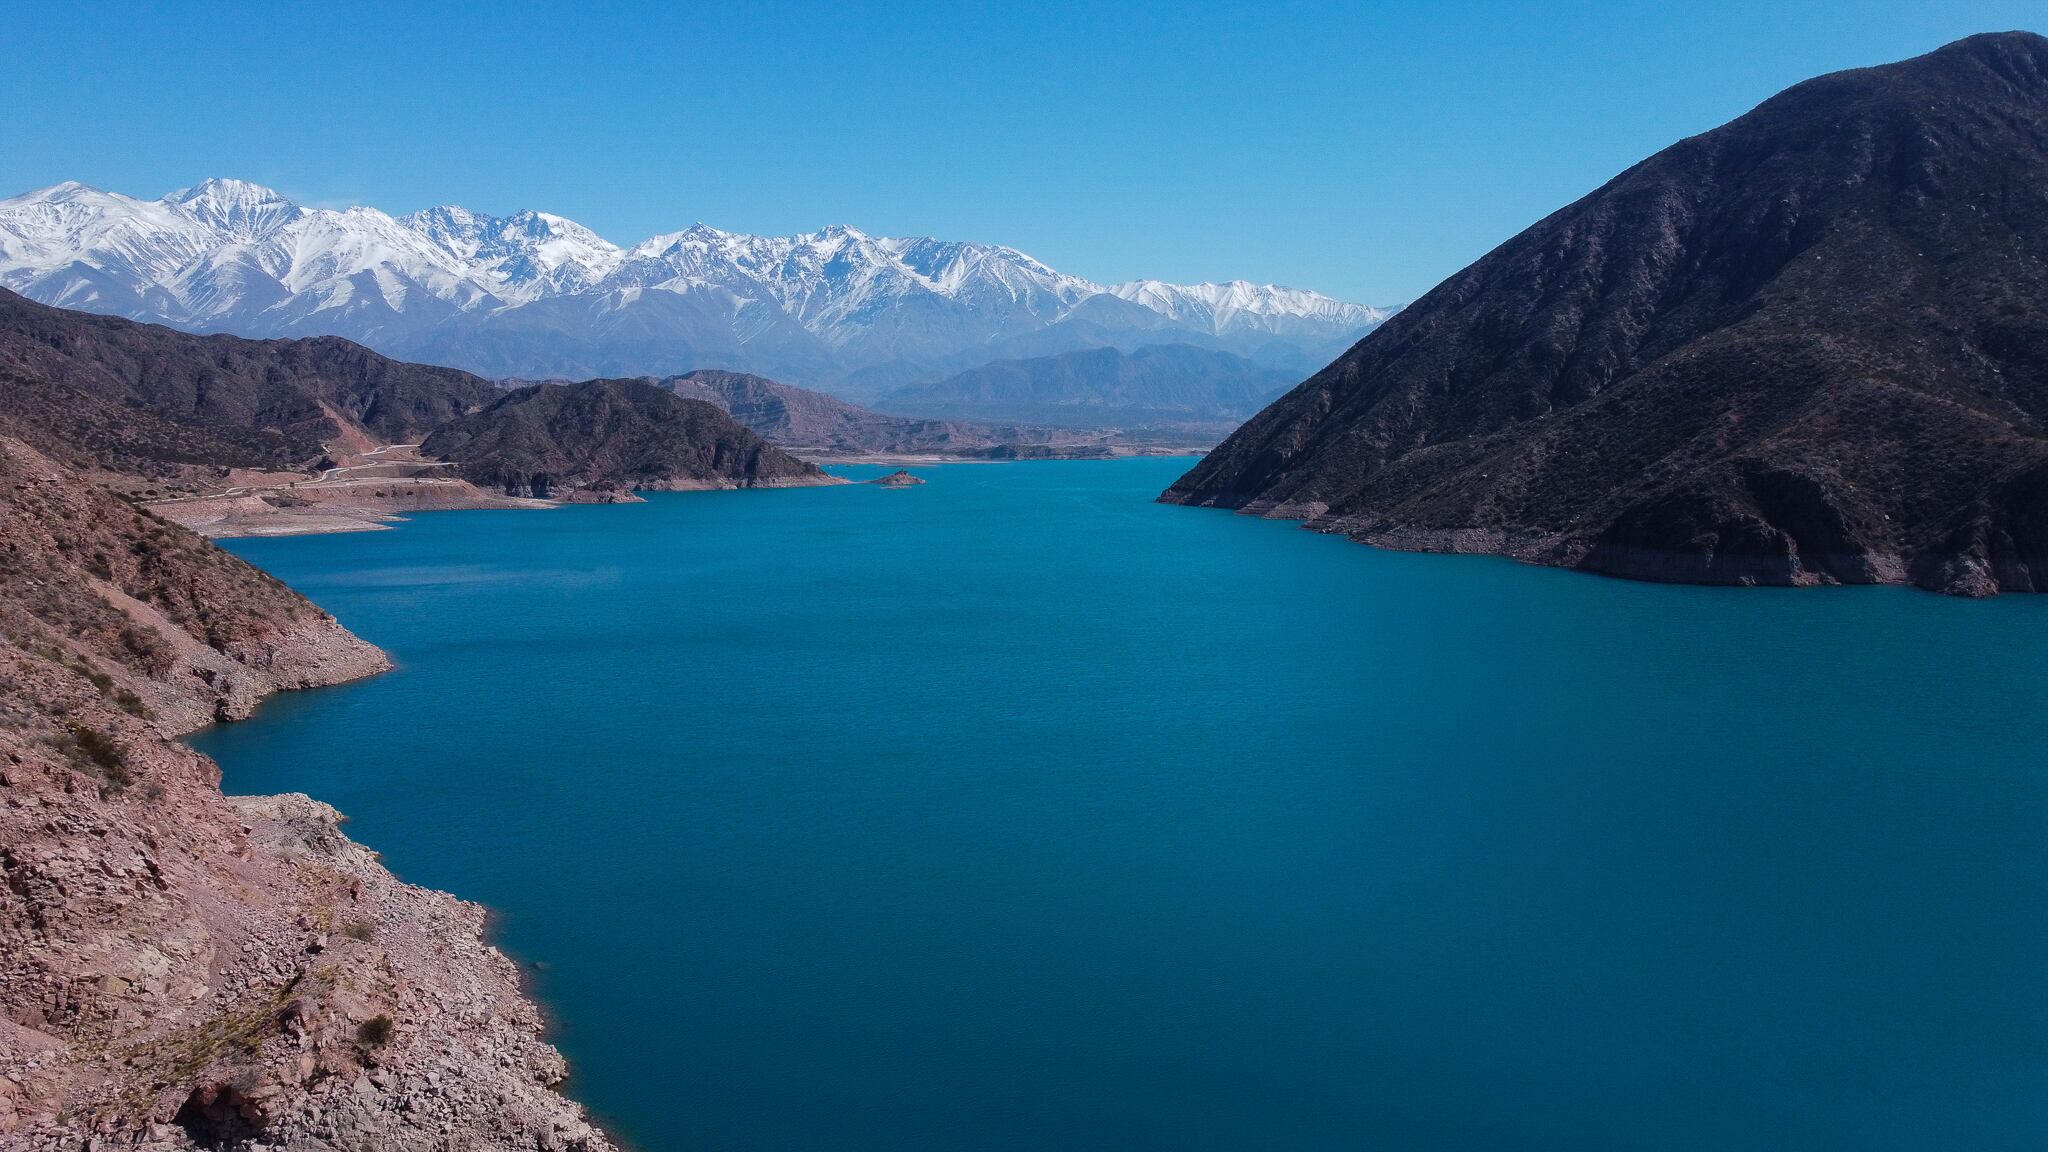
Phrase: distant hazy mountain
x=537 y=295
x=1161 y=385
x=792 y=417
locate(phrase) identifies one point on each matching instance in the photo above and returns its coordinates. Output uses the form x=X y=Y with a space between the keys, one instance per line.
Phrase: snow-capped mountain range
x=533 y=294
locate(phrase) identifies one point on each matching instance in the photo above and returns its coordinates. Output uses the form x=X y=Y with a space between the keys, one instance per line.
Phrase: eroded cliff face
x=181 y=969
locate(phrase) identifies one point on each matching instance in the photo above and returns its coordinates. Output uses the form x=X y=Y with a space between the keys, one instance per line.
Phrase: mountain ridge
x=536 y=294
x=220 y=400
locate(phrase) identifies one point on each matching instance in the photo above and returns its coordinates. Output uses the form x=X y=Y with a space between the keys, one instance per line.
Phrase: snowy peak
x=525 y=255
x=62 y=193
x=325 y=248
x=508 y=294
x=843 y=284
x=953 y=268
x=73 y=223
x=698 y=233
x=1239 y=305
x=236 y=209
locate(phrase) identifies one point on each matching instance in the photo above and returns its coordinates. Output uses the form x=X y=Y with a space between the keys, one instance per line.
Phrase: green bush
x=93 y=749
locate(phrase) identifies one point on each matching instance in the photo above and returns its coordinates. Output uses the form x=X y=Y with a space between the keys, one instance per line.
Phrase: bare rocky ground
x=366 y=489
x=180 y=969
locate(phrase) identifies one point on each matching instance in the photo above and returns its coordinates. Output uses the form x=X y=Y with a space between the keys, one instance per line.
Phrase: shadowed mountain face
x=800 y=418
x=138 y=397
x=611 y=435
x=1810 y=346
x=1161 y=385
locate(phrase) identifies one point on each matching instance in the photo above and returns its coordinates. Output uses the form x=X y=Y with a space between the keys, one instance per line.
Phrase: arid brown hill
x=1809 y=346
x=611 y=435
x=138 y=396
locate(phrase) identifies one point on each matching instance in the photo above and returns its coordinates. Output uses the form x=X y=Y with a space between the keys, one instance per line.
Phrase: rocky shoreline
x=1551 y=550
x=1788 y=569
x=180 y=969
x=307 y=512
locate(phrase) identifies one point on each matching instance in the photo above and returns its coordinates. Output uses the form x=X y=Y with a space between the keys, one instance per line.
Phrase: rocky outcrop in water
x=1810 y=346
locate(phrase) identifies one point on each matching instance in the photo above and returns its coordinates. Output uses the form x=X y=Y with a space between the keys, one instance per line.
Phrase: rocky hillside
x=1810 y=346
x=179 y=969
x=1161 y=385
x=611 y=436
x=141 y=398
x=799 y=418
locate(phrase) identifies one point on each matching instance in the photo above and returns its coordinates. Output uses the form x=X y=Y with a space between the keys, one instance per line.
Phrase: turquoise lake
x=1015 y=812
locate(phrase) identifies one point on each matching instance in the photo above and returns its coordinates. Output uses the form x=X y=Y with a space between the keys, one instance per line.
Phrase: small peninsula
x=611 y=436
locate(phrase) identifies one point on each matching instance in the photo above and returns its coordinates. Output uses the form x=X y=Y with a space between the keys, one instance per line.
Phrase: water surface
x=1017 y=812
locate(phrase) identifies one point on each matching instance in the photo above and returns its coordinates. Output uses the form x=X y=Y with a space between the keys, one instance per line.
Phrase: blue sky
x=1364 y=150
